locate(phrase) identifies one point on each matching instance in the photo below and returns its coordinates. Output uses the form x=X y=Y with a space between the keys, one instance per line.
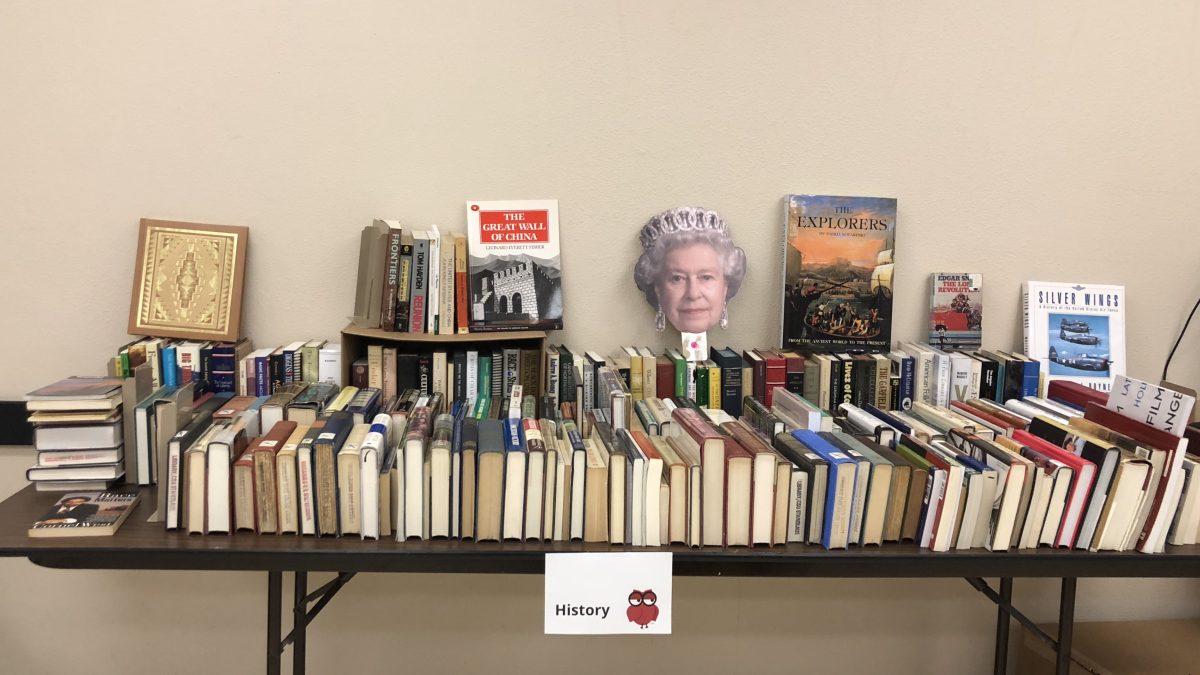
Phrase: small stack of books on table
x=78 y=434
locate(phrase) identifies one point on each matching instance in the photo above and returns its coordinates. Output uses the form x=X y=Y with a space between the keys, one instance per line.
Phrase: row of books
x=1034 y=471
x=172 y=362
x=503 y=274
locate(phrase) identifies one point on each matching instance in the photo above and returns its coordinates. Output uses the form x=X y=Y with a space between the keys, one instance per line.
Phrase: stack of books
x=78 y=434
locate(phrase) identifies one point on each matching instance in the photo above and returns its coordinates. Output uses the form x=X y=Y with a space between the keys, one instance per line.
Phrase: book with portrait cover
x=86 y=514
x=1077 y=331
x=956 y=310
x=838 y=264
x=514 y=265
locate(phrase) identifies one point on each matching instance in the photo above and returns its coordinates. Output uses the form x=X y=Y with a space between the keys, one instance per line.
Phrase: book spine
x=731 y=390
x=987 y=380
x=425 y=373
x=391 y=281
x=566 y=379
x=261 y=380
x=289 y=367
x=170 y=372
x=420 y=270
x=404 y=287
x=552 y=361
x=681 y=376
x=446 y=290
x=1029 y=382
x=701 y=387
x=276 y=365
x=461 y=306
x=460 y=376
x=512 y=365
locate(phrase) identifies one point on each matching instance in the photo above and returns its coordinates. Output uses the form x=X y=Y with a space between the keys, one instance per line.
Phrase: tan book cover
x=188 y=282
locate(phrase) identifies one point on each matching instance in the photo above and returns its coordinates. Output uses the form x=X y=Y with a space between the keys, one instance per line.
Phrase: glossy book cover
x=956 y=310
x=514 y=267
x=1077 y=331
x=838 y=266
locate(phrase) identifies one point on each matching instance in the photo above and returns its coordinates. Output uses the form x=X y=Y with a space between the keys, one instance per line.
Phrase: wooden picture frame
x=188 y=281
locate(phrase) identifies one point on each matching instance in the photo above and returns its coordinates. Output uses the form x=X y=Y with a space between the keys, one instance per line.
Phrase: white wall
x=1023 y=140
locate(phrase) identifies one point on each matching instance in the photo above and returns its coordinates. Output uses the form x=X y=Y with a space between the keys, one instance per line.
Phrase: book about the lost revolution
x=838 y=265
x=86 y=514
x=1077 y=331
x=956 y=310
x=514 y=265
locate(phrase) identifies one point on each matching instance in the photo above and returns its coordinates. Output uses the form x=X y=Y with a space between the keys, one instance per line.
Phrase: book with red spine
x=776 y=373
x=664 y=376
x=1082 y=480
x=461 y=305
x=1166 y=496
x=758 y=366
x=1074 y=394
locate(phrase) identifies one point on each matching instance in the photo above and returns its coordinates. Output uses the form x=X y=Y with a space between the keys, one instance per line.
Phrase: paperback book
x=838 y=264
x=956 y=310
x=1077 y=331
x=514 y=265
x=86 y=514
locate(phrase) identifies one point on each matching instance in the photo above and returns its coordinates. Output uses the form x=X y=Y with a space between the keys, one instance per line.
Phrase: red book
x=462 y=307
x=983 y=415
x=266 y=497
x=739 y=476
x=1074 y=394
x=664 y=377
x=759 y=365
x=776 y=373
x=1081 y=485
x=1145 y=434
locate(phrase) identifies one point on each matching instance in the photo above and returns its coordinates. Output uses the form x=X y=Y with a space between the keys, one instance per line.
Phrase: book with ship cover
x=1077 y=331
x=956 y=310
x=514 y=265
x=838 y=263
x=86 y=514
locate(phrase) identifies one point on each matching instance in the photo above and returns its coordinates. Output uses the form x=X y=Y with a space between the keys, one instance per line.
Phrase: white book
x=943 y=536
x=1076 y=331
x=639 y=487
x=78 y=437
x=1039 y=502
x=1155 y=406
x=329 y=368
x=371 y=456
x=972 y=496
x=797 y=506
x=1057 y=505
x=219 y=460
x=554 y=476
x=305 y=492
x=960 y=377
x=511 y=524
x=1183 y=528
x=473 y=376
x=578 y=473
x=414 y=485
x=535 y=481
x=435 y=279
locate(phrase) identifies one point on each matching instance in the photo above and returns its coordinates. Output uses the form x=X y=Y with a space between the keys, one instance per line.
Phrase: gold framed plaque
x=188 y=282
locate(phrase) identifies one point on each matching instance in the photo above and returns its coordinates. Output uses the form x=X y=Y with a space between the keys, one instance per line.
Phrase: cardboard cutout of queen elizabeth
x=689 y=269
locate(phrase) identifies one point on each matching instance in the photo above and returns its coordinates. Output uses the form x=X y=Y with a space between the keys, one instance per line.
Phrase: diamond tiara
x=682 y=219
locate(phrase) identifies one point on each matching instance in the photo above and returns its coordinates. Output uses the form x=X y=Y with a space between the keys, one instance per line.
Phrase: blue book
x=512 y=521
x=1029 y=383
x=839 y=495
x=888 y=418
x=170 y=370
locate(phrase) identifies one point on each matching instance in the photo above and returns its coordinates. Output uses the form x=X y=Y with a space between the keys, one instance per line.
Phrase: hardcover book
x=838 y=263
x=956 y=310
x=514 y=265
x=1076 y=331
x=188 y=281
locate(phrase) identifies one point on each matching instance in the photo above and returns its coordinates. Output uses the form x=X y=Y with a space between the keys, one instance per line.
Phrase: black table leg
x=274 y=610
x=299 y=621
x=1002 y=621
x=1066 y=625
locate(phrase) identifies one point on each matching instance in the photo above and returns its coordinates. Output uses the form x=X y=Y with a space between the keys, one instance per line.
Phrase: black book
x=730 y=363
x=498 y=375
x=566 y=375
x=988 y=371
x=864 y=380
x=594 y=363
x=276 y=370
x=835 y=381
x=425 y=373
x=460 y=376
x=324 y=449
x=818 y=479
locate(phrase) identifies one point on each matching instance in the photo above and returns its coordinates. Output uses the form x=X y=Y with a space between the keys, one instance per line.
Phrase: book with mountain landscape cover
x=838 y=265
x=514 y=265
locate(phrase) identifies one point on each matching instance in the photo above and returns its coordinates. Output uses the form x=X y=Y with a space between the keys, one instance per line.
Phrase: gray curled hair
x=681 y=227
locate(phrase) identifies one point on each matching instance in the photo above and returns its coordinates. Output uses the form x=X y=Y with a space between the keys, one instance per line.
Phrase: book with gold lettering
x=188 y=281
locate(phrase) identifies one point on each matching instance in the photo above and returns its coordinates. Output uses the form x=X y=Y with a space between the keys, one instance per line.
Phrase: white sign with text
x=608 y=593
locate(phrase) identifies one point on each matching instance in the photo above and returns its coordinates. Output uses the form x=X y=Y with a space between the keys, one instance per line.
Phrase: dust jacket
x=1077 y=331
x=514 y=265
x=956 y=310
x=838 y=265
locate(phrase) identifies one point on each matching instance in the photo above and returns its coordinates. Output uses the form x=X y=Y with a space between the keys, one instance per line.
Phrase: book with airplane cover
x=1077 y=331
x=514 y=265
x=956 y=310
x=838 y=264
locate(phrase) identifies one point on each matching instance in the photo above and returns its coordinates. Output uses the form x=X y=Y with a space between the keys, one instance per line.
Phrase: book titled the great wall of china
x=1077 y=331
x=515 y=267
x=838 y=264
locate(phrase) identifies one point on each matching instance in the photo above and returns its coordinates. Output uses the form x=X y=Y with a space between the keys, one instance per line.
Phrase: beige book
x=446 y=285
x=342 y=400
x=287 y=483
x=349 y=478
x=595 y=511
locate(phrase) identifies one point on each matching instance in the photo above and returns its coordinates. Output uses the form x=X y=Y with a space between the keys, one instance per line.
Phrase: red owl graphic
x=643 y=607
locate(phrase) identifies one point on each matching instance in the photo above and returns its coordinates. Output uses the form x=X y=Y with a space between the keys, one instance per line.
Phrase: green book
x=701 y=386
x=485 y=378
x=681 y=371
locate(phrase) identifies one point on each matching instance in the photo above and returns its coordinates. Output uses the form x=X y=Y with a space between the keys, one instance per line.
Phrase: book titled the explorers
x=838 y=263
x=86 y=514
x=515 y=267
x=1077 y=331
